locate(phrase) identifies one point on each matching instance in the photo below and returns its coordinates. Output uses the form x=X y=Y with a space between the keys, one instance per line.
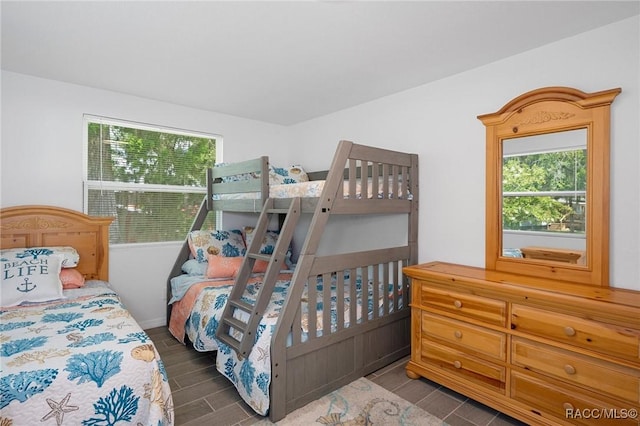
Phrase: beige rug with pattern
x=361 y=402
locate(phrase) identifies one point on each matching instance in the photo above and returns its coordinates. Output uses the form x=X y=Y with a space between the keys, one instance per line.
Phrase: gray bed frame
x=303 y=371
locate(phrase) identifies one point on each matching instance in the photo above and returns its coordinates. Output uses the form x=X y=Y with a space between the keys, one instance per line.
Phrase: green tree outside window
x=545 y=192
x=151 y=181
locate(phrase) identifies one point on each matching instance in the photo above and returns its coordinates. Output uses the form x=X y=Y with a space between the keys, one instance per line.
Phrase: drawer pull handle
x=457 y=304
x=457 y=364
x=569 y=369
x=458 y=334
x=569 y=331
x=567 y=406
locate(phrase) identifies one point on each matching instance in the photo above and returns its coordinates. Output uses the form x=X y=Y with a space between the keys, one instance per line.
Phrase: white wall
x=42 y=163
x=438 y=122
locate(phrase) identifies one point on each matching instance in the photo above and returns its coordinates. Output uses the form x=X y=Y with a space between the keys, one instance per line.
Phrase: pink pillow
x=222 y=267
x=228 y=267
x=71 y=278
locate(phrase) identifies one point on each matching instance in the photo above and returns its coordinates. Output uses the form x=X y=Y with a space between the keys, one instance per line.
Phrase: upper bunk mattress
x=309 y=189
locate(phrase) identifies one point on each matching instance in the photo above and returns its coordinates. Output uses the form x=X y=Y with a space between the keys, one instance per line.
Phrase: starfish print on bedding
x=59 y=408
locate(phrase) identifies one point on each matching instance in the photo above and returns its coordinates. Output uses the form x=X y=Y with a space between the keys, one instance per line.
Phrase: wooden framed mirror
x=547 y=196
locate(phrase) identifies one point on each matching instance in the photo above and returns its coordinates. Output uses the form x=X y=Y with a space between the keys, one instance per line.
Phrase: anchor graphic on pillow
x=25 y=286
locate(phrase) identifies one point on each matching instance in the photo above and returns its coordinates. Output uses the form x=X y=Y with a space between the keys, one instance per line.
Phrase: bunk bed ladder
x=246 y=323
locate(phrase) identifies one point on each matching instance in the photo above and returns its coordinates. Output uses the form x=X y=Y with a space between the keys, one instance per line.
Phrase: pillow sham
x=222 y=267
x=239 y=177
x=292 y=174
x=223 y=243
x=34 y=278
x=71 y=278
x=70 y=256
x=277 y=175
x=267 y=247
x=192 y=267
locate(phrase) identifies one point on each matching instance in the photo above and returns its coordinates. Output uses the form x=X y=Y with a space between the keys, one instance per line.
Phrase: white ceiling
x=279 y=62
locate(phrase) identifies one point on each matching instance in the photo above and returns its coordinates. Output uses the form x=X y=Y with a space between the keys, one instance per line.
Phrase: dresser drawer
x=477 y=307
x=615 y=380
x=481 y=340
x=593 y=335
x=568 y=404
x=471 y=368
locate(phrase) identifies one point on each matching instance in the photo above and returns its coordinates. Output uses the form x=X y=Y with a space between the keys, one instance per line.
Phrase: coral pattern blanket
x=202 y=306
x=80 y=361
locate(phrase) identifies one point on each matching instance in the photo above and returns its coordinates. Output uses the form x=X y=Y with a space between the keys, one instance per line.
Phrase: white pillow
x=30 y=279
x=70 y=256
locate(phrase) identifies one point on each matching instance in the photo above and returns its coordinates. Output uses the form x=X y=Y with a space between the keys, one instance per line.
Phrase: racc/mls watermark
x=601 y=413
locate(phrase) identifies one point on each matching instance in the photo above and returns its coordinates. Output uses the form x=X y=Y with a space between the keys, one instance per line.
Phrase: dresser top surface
x=514 y=283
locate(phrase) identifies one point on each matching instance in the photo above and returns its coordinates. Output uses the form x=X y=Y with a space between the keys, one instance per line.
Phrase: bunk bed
x=70 y=351
x=268 y=318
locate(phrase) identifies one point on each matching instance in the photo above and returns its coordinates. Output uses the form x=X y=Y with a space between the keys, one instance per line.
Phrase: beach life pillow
x=34 y=278
x=71 y=278
x=70 y=256
x=223 y=243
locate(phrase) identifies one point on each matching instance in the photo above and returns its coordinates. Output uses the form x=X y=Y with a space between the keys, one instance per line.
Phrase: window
x=151 y=179
x=545 y=191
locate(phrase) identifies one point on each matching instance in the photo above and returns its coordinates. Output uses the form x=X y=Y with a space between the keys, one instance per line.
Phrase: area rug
x=361 y=402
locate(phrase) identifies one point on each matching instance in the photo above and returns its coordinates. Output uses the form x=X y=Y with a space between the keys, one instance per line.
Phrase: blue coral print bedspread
x=80 y=361
x=252 y=375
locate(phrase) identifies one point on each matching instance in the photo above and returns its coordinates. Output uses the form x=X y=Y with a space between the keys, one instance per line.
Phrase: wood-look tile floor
x=202 y=396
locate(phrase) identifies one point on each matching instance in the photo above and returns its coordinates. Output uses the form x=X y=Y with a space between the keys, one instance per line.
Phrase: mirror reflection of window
x=544 y=182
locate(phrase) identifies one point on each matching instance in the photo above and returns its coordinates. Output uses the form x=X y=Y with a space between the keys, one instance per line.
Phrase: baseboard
x=153 y=323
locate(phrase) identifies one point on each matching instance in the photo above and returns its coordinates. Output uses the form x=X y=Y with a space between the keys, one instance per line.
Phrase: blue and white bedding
x=81 y=360
x=308 y=189
x=252 y=375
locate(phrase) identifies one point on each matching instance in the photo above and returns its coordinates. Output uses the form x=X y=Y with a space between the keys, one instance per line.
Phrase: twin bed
x=332 y=317
x=70 y=351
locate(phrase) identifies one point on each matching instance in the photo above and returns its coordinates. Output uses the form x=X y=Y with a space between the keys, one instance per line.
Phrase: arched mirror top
x=547 y=196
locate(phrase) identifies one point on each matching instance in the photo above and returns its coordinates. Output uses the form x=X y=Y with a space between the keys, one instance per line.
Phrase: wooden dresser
x=546 y=352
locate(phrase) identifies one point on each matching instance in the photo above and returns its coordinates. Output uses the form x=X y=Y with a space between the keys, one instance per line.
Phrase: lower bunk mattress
x=80 y=360
x=197 y=314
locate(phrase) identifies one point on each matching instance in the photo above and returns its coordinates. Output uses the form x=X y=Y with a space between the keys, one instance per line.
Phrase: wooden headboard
x=47 y=226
